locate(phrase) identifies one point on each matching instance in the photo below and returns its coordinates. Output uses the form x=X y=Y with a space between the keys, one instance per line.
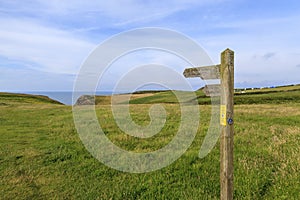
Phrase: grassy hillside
x=263 y=96
x=256 y=96
x=164 y=97
x=14 y=99
x=42 y=157
x=273 y=89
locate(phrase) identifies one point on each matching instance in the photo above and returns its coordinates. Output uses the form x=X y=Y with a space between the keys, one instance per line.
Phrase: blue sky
x=44 y=43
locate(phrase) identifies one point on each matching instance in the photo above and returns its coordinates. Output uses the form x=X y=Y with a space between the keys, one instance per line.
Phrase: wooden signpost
x=212 y=90
x=224 y=72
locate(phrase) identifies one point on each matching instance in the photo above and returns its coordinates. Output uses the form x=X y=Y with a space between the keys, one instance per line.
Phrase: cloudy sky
x=44 y=43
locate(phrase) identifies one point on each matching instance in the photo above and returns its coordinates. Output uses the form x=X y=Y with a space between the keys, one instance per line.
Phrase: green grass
x=166 y=97
x=264 y=96
x=276 y=89
x=42 y=157
x=16 y=98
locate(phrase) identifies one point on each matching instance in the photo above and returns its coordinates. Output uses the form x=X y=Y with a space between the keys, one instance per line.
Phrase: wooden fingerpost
x=224 y=72
x=226 y=121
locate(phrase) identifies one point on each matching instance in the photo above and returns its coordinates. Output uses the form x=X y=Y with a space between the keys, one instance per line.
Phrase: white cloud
x=61 y=50
x=128 y=64
x=265 y=49
x=48 y=49
x=16 y=79
x=113 y=12
x=56 y=36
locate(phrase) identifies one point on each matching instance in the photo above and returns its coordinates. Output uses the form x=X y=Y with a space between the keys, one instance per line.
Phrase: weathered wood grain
x=226 y=142
x=224 y=72
x=212 y=90
x=205 y=73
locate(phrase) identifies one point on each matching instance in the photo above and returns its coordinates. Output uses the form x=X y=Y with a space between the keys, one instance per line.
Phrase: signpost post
x=224 y=72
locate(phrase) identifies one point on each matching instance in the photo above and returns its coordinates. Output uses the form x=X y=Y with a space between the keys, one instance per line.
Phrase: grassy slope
x=277 y=89
x=41 y=155
x=264 y=96
x=16 y=98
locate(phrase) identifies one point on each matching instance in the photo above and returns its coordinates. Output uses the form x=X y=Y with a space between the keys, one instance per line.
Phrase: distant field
x=41 y=155
x=263 y=96
x=258 y=96
x=274 y=89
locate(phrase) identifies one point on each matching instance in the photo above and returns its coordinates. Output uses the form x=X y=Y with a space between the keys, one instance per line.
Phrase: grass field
x=42 y=157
